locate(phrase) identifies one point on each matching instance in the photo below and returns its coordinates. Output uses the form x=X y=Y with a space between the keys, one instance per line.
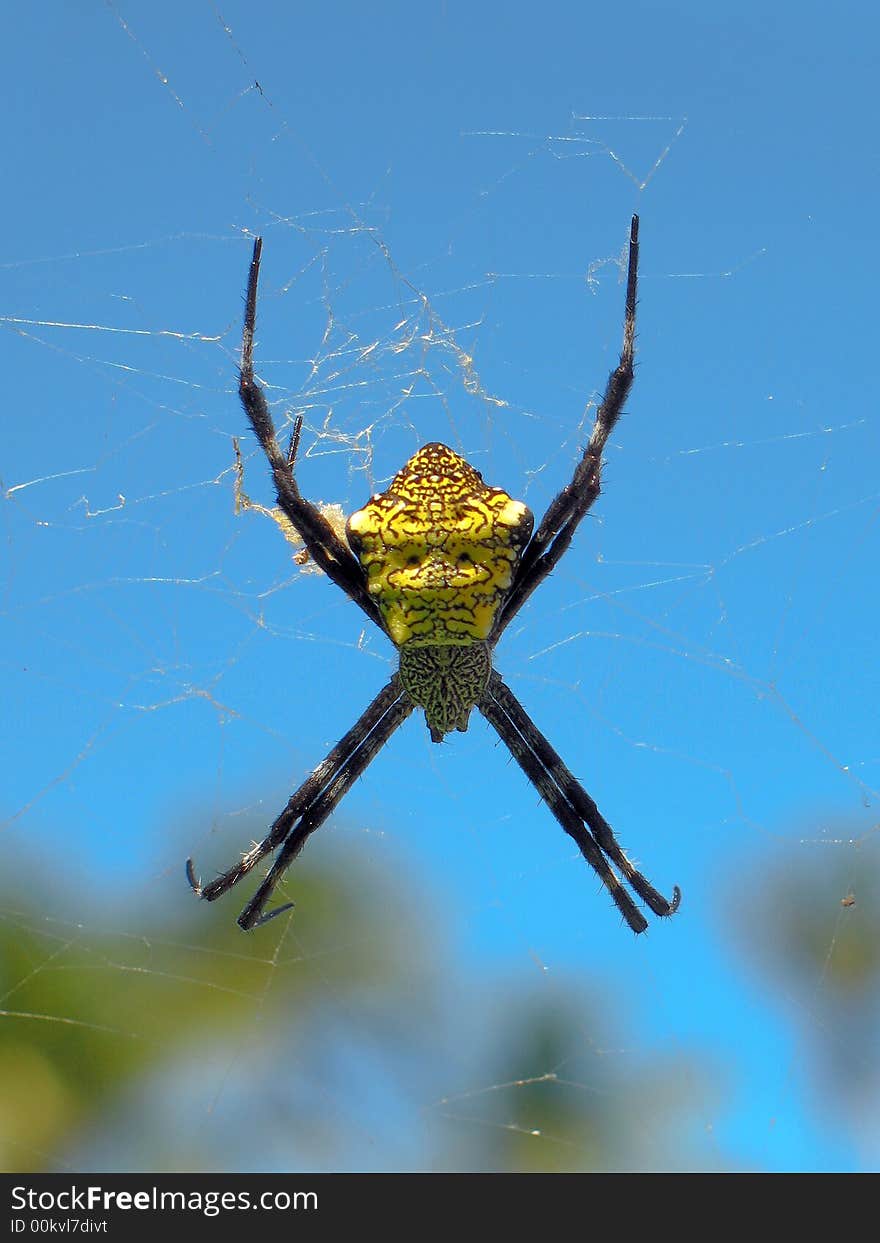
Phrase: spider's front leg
x=566 y=511
x=325 y=547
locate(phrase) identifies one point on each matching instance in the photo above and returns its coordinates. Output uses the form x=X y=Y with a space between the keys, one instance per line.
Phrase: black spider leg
x=313 y=802
x=252 y=915
x=325 y=547
x=565 y=512
x=570 y=804
x=580 y=799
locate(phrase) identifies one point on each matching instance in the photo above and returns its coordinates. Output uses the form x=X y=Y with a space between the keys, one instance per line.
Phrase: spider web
x=454 y=989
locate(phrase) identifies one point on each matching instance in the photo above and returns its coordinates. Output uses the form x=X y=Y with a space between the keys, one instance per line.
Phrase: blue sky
x=444 y=192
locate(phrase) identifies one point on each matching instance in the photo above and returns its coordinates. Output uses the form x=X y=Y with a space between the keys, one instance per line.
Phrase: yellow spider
x=441 y=563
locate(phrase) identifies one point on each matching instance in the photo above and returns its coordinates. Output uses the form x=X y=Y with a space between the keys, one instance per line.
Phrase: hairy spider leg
x=569 y=507
x=345 y=762
x=325 y=547
x=577 y=798
x=561 y=809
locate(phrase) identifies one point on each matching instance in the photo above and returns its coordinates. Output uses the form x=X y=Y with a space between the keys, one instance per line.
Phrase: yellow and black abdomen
x=439 y=549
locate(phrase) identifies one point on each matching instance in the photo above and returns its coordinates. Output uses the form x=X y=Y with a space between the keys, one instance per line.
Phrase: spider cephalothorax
x=441 y=563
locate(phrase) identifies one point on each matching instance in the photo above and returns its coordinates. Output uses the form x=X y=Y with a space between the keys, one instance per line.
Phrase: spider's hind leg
x=311 y=804
x=571 y=805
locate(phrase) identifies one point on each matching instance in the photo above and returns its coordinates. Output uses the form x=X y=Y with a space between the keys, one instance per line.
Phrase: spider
x=441 y=563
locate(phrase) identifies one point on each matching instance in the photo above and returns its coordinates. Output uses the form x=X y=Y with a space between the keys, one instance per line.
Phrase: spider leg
x=570 y=804
x=325 y=547
x=313 y=802
x=570 y=506
x=300 y=800
x=580 y=800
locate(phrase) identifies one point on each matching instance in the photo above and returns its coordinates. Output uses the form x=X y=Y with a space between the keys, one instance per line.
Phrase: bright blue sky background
x=444 y=193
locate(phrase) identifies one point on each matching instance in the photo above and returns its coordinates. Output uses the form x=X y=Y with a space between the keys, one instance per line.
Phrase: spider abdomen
x=439 y=549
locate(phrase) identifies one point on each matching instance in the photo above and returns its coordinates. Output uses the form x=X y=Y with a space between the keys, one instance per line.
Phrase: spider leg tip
x=247 y=923
x=194 y=884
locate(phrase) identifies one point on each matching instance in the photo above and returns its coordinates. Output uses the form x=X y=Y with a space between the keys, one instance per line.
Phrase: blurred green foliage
x=811 y=931
x=343 y=1037
x=334 y=1038
x=89 y=1009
